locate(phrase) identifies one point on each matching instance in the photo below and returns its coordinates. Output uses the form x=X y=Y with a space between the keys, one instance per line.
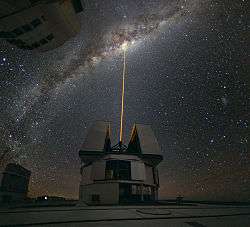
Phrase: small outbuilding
x=14 y=184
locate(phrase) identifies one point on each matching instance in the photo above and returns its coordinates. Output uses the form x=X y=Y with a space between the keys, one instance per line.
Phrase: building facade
x=39 y=25
x=14 y=184
x=119 y=174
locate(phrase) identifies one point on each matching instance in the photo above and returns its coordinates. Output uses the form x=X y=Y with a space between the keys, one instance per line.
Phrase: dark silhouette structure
x=15 y=183
x=40 y=25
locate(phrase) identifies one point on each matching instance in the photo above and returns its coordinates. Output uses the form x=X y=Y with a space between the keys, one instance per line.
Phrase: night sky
x=187 y=76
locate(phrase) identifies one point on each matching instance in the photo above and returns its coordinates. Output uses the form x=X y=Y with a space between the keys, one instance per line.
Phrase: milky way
x=106 y=43
x=186 y=77
x=102 y=44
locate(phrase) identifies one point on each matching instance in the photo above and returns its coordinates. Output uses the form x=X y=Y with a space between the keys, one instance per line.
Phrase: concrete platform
x=197 y=216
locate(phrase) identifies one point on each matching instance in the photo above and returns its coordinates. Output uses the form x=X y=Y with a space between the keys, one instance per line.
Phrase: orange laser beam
x=123 y=92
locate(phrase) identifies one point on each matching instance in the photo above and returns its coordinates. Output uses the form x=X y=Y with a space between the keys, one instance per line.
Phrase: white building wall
x=86 y=175
x=149 y=175
x=94 y=183
x=137 y=166
x=122 y=157
x=137 y=170
x=108 y=192
x=98 y=170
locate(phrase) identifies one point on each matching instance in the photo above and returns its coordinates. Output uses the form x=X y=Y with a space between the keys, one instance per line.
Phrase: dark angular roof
x=17 y=169
x=143 y=141
x=98 y=138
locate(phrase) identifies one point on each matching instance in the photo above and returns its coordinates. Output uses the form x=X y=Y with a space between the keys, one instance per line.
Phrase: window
x=7 y=35
x=18 y=42
x=35 y=45
x=50 y=37
x=29 y=48
x=36 y=22
x=33 y=1
x=118 y=169
x=12 y=41
x=77 y=5
x=135 y=189
x=156 y=176
x=26 y=28
x=43 y=41
x=18 y=31
x=95 y=198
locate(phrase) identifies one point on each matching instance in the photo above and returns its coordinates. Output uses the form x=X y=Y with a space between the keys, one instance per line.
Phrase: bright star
x=125 y=46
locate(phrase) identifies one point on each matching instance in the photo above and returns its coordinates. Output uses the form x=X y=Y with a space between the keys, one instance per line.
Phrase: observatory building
x=14 y=184
x=119 y=174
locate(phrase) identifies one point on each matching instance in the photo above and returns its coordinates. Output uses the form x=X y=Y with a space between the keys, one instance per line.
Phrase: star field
x=187 y=76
